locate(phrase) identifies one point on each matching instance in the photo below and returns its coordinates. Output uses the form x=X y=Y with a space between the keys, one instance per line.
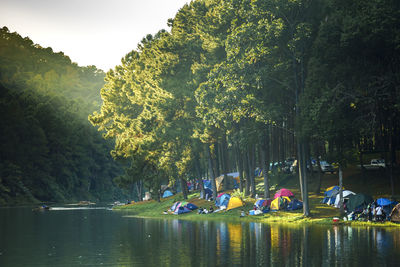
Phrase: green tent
x=358 y=201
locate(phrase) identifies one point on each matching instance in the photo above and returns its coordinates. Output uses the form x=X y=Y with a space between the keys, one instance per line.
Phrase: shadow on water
x=98 y=237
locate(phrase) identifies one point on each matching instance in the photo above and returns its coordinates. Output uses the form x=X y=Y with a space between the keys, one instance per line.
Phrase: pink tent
x=283 y=193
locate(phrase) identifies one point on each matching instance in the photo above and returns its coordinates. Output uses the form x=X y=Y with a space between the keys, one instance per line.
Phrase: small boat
x=85 y=203
x=41 y=208
x=82 y=203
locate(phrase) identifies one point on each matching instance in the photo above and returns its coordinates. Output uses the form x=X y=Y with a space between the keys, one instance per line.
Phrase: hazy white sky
x=90 y=32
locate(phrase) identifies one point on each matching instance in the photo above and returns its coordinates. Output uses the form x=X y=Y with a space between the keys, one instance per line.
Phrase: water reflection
x=100 y=237
x=255 y=244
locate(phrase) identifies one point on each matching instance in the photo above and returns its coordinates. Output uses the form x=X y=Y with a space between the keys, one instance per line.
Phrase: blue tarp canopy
x=167 y=193
x=384 y=202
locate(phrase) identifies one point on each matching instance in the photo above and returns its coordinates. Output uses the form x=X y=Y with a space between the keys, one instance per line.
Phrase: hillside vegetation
x=48 y=149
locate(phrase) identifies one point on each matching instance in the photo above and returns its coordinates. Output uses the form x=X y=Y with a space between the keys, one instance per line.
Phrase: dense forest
x=239 y=84
x=231 y=86
x=48 y=149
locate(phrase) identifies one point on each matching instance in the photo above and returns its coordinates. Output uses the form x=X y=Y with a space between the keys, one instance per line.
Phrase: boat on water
x=42 y=208
x=82 y=203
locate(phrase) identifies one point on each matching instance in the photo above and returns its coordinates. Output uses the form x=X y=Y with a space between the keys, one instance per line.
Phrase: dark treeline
x=48 y=149
x=238 y=84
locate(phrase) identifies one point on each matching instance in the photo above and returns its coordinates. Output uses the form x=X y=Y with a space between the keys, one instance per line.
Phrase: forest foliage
x=239 y=84
x=231 y=85
x=48 y=149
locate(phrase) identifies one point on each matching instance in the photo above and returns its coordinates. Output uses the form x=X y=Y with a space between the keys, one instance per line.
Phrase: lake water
x=100 y=237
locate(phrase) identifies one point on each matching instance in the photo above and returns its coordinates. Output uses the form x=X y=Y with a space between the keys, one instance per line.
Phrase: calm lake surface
x=100 y=237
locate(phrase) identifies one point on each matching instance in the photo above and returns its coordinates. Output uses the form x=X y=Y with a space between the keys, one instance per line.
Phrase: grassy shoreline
x=321 y=214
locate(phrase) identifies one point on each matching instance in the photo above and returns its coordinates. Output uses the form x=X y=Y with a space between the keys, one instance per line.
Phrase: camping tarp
x=280 y=203
x=222 y=200
x=345 y=194
x=232 y=177
x=395 y=214
x=384 y=202
x=218 y=182
x=283 y=193
x=359 y=201
x=167 y=193
x=234 y=202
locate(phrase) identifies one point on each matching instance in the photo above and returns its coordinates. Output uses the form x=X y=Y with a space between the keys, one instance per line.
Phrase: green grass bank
x=374 y=183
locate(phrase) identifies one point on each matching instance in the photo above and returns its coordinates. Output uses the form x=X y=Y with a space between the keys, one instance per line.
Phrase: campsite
x=285 y=207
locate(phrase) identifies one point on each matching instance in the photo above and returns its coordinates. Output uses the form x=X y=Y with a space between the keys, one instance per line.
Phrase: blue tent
x=182 y=207
x=191 y=206
x=330 y=195
x=294 y=205
x=222 y=200
x=167 y=193
x=181 y=210
x=263 y=205
x=176 y=204
x=386 y=204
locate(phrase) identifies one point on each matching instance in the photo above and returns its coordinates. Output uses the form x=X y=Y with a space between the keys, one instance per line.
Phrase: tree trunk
x=211 y=170
x=199 y=178
x=251 y=167
x=341 y=191
x=139 y=189
x=224 y=161
x=240 y=167
x=318 y=189
x=217 y=161
x=392 y=157
x=265 y=165
x=299 y=149
x=306 y=208
x=183 y=187
x=303 y=178
x=247 y=172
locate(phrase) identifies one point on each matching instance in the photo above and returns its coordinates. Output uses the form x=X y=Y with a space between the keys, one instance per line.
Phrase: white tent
x=346 y=193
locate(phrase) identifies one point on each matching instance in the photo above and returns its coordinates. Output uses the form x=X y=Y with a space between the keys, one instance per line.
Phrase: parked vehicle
x=379 y=163
x=326 y=167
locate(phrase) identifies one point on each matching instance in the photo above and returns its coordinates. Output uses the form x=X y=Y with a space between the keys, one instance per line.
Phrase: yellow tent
x=234 y=202
x=276 y=203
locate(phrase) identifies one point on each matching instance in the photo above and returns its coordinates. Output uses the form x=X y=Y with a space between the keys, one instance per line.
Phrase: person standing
x=379 y=213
